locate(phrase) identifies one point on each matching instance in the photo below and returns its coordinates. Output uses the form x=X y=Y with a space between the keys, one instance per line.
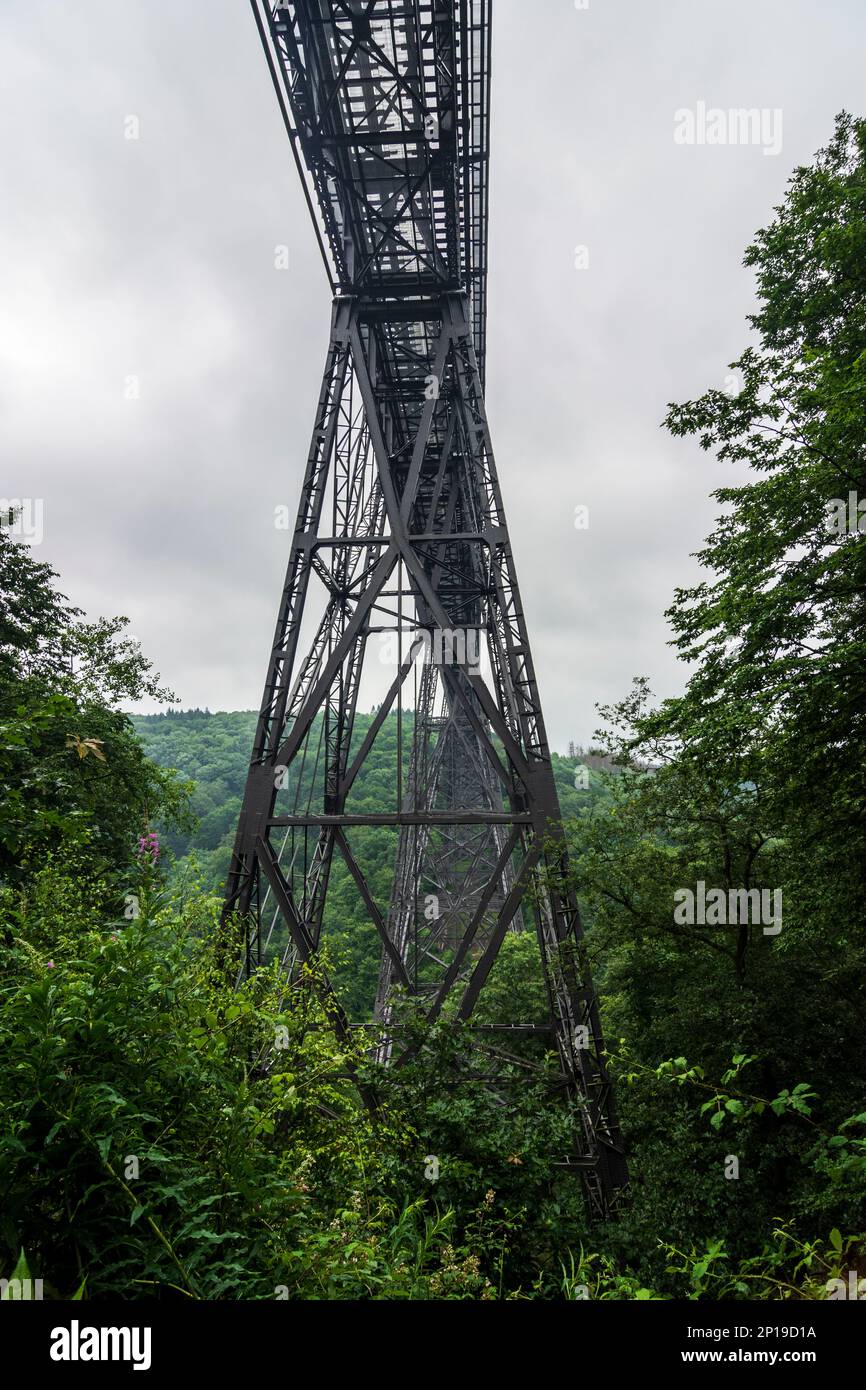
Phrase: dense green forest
x=211 y=752
x=146 y=1151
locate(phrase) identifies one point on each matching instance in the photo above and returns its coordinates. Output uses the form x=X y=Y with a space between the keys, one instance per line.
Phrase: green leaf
x=21 y=1271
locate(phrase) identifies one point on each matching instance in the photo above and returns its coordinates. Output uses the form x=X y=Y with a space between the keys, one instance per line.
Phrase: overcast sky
x=153 y=258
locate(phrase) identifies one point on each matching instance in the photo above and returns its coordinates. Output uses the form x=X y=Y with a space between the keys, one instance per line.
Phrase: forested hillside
x=211 y=752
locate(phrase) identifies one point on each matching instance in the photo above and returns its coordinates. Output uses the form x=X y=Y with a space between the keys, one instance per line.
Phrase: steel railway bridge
x=401 y=565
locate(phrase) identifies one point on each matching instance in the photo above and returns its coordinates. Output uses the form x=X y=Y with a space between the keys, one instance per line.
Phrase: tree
x=73 y=772
x=756 y=775
x=779 y=632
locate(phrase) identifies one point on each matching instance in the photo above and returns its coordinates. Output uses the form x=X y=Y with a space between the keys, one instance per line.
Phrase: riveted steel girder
x=400 y=564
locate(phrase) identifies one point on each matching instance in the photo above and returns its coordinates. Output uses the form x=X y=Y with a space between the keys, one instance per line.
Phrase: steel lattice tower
x=401 y=538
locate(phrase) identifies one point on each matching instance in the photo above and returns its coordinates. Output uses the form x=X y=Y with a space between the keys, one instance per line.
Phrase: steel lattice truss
x=401 y=542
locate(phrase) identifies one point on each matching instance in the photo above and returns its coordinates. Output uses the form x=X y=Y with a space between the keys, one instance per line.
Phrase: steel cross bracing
x=401 y=563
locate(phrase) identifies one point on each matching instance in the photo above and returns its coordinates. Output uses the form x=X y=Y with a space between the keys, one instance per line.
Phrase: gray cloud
x=154 y=258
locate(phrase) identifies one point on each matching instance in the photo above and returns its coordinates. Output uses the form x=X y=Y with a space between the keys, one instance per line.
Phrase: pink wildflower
x=148 y=846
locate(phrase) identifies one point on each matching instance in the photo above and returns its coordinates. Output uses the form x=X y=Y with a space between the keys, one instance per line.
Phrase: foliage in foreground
x=167 y=1136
